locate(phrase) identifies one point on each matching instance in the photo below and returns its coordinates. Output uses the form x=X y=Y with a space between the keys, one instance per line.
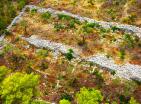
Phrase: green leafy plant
x=64 y=101
x=121 y=54
x=133 y=101
x=46 y=15
x=64 y=17
x=19 y=88
x=24 y=25
x=89 y=96
x=21 y=3
x=86 y=29
x=3 y=72
x=72 y=24
x=99 y=80
x=115 y=28
x=42 y=53
x=33 y=11
x=59 y=27
x=129 y=40
x=7 y=48
x=66 y=96
x=113 y=72
x=69 y=55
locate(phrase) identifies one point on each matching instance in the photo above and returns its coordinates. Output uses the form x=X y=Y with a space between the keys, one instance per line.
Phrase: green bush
x=121 y=54
x=8 y=10
x=59 y=27
x=89 y=96
x=129 y=39
x=42 y=53
x=64 y=101
x=3 y=72
x=21 y=3
x=69 y=55
x=46 y=16
x=64 y=17
x=19 y=88
x=33 y=11
x=115 y=28
x=133 y=101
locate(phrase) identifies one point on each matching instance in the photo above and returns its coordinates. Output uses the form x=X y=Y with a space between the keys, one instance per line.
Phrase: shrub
x=21 y=4
x=114 y=28
x=69 y=55
x=19 y=88
x=59 y=27
x=33 y=11
x=72 y=24
x=129 y=39
x=89 y=96
x=64 y=101
x=66 y=96
x=86 y=29
x=46 y=16
x=121 y=54
x=42 y=53
x=3 y=72
x=64 y=17
x=24 y=25
x=133 y=101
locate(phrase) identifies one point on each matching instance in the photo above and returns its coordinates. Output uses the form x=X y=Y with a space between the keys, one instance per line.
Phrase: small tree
x=19 y=88
x=89 y=96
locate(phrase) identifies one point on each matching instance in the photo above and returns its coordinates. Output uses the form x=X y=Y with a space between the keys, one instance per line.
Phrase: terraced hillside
x=124 y=11
x=49 y=56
